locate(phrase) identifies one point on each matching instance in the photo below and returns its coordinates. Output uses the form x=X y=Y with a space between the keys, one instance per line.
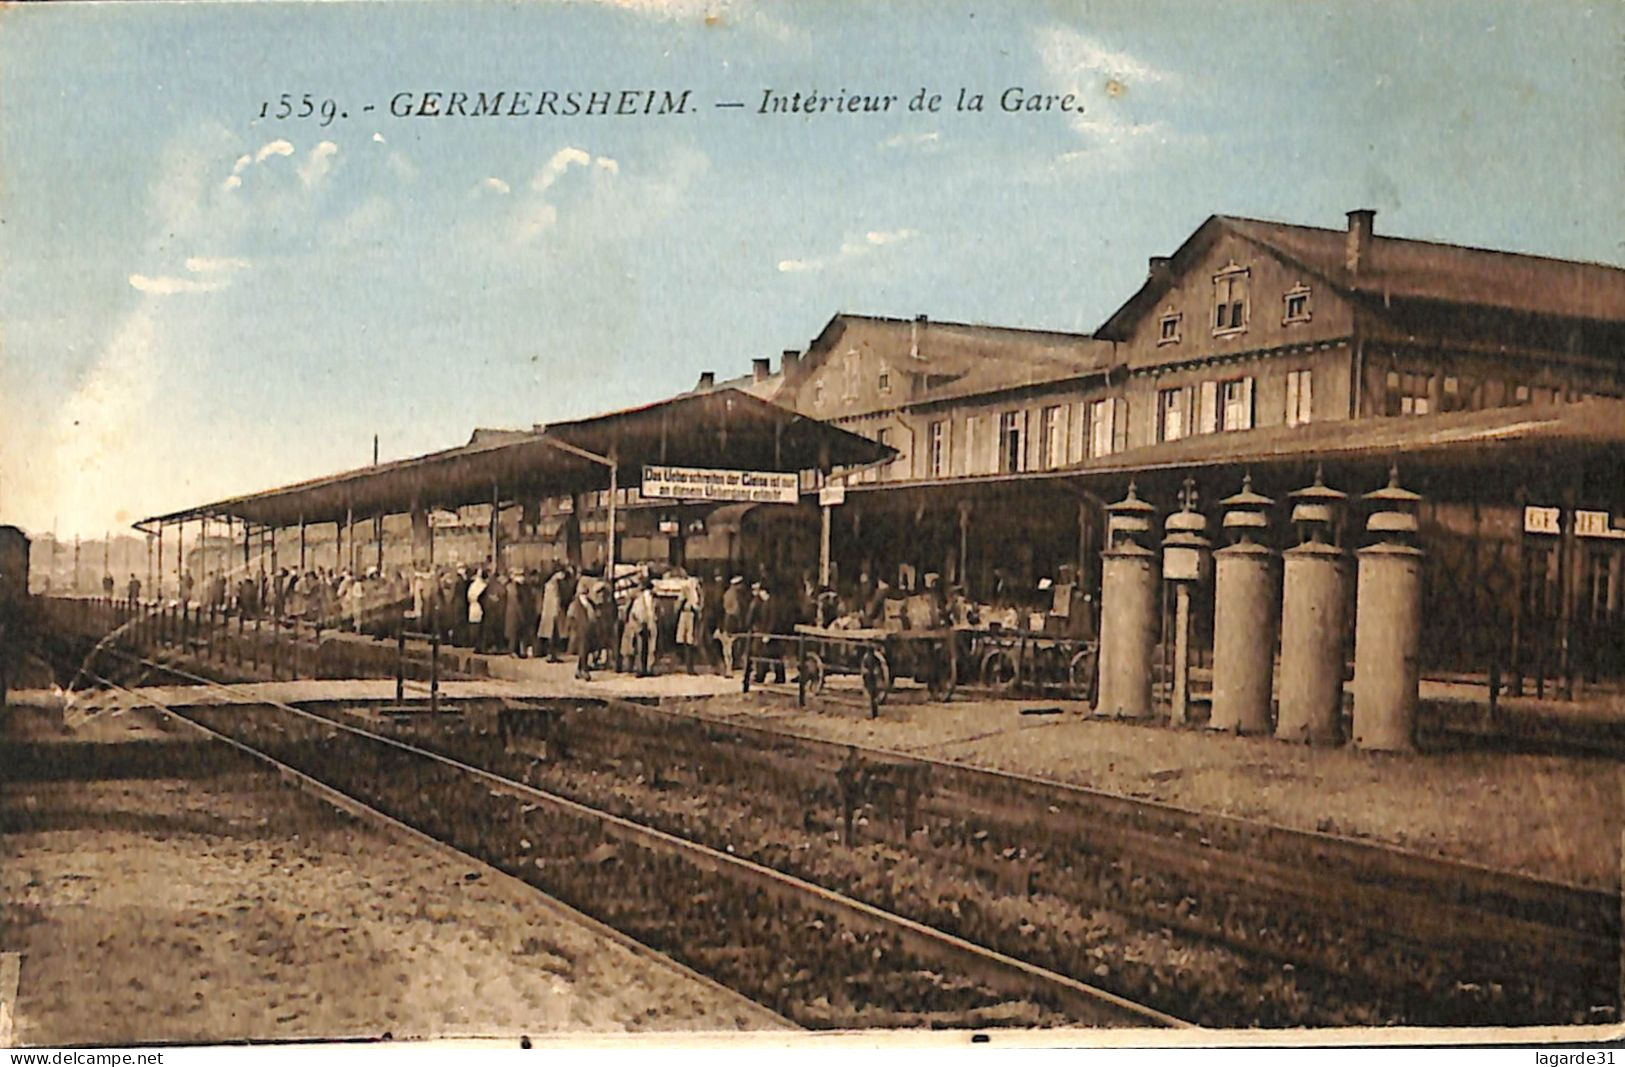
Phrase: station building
x=1492 y=378
x=1285 y=352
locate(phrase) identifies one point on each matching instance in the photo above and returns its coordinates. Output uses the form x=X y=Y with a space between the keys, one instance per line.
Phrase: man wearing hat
x=734 y=603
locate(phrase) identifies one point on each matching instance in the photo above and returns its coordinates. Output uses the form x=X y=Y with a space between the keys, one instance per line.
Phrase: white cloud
x=887 y=237
x=242 y=164
x=233 y=182
x=1072 y=58
x=379 y=138
x=273 y=148
x=535 y=214
x=927 y=139
x=169 y=285
x=534 y=219
x=88 y=441
x=851 y=248
x=215 y=264
x=496 y=185
x=1107 y=80
x=318 y=163
x=555 y=167
x=403 y=168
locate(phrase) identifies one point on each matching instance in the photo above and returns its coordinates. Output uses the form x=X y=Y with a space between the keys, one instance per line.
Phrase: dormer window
x=1230 y=300
x=1297 y=304
x=1169 y=334
x=818 y=394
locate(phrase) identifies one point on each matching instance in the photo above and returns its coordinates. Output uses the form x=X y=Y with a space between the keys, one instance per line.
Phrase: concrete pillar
x=1388 y=624
x=1129 y=575
x=1314 y=632
x=1246 y=595
x=1314 y=623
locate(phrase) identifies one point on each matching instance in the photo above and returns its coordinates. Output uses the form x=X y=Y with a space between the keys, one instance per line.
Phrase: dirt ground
x=230 y=907
x=1547 y=816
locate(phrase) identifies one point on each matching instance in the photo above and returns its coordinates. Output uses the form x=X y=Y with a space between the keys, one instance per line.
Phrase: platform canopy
x=725 y=428
x=1485 y=454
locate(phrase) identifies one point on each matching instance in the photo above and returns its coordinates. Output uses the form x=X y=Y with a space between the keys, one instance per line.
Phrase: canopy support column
x=496 y=522
x=609 y=527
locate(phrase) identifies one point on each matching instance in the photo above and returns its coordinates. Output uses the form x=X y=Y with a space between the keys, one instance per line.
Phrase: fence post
x=801 y=670
x=400 y=665
x=434 y=673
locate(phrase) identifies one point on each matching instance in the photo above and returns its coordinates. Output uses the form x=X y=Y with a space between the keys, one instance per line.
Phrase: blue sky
x=196 y=301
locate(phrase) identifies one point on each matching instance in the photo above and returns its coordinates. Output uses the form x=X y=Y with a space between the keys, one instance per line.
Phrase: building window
x=1297 y=304
x=1170 y=329
x=1455 y=393
x=882 y=437
x=1102 y=427
x=1012 y=442
x=885 y=381
x=1230 y=300
x=1077 y=435
x=938 y=438
x=1171 y=420
x=1207 y=407
x=1052 y=437
x=818 y=394
x=1409 y=393
x=1300 y=402
x=1236 y=404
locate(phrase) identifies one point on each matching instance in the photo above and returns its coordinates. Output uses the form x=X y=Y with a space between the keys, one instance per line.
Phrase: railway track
x=1402 y=936
x=813 y=955
x=1270 y=891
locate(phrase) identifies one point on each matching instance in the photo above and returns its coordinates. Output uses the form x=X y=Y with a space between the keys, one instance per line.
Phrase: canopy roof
x=726 y=428
x=1469 y=455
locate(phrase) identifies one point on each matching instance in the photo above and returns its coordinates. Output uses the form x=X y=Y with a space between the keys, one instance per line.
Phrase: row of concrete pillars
x=1263 y=600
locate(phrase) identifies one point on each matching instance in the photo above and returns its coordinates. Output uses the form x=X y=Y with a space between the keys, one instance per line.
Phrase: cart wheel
x=876 y=675
x=1082 y=672
x=1050 y=667
x=812 y=672
x=999 y=670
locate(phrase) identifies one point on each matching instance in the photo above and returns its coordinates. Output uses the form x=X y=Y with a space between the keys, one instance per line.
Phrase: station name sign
x=1549 y=520
x=702 y=483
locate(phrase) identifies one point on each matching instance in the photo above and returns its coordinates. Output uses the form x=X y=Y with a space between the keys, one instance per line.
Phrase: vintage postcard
x=1026 y=523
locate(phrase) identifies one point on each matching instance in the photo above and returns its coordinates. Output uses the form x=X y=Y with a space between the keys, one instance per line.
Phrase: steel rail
x=1008 y=974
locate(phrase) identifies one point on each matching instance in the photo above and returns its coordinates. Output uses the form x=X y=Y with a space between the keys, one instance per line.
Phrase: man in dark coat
x=513 y=613
x=461 y=633
x=579 y=623
x=494 y=601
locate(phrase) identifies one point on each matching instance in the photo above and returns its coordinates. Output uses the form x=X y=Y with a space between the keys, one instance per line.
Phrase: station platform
x=213 y=903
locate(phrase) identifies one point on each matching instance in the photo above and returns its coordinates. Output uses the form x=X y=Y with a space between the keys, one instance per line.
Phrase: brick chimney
x=1160 y=269
x=708 y=380
x=790 y=362
x=760 y=368
x=914 y=332
x=1362 y=224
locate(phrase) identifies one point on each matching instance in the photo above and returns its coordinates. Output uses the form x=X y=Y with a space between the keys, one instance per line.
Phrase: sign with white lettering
x=1542 y=520
x=832 y=495
x=700 y=483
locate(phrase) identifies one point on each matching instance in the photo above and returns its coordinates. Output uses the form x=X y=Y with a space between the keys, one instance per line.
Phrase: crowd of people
x=651 y=615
